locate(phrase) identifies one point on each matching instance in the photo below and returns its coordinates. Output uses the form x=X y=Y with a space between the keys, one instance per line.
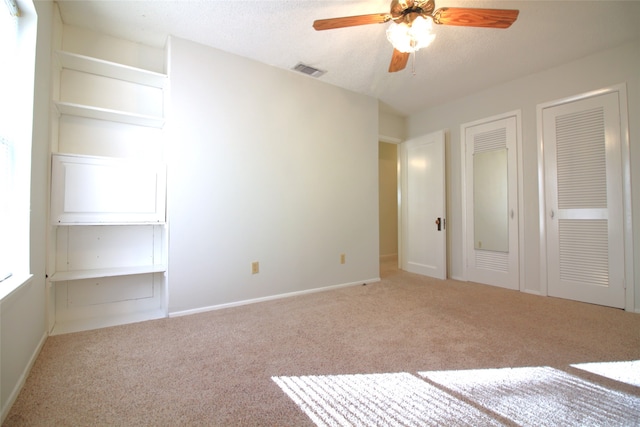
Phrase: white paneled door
x=491 y=201
x=423 y=245
x=584 y=216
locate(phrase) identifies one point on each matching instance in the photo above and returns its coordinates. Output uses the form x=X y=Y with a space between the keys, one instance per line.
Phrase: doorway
x=388 y=201
x=412 y=205
x=423 y=237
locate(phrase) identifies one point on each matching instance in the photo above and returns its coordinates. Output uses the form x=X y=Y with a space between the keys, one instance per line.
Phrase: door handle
x=440 y=223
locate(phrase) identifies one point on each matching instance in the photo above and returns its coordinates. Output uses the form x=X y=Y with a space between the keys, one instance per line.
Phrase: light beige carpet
x=405 y=351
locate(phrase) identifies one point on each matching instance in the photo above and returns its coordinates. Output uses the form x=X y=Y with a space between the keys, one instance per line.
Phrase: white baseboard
x=23 y=377
x=268 y=298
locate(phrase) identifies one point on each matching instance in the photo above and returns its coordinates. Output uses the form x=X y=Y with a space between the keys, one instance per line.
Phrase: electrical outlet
x=255 y=267
x=343 y=258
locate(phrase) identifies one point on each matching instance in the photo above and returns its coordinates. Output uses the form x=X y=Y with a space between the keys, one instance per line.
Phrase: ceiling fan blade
x=351 y=21
x=398 y=61
x=471 y=17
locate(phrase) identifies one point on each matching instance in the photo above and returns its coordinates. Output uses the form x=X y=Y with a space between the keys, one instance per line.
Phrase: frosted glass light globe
x=410 y=38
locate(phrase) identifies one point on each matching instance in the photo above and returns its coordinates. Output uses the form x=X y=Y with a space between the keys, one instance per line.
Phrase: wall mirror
x=490 y=201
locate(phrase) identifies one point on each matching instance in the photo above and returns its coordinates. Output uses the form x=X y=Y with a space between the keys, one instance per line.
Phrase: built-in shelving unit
x=107 y=256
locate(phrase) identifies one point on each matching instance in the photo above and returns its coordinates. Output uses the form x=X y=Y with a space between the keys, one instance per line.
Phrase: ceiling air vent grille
x=308 y=70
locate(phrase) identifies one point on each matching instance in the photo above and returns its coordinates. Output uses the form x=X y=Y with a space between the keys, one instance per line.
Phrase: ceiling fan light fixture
x=411 y=21
x=410 y=37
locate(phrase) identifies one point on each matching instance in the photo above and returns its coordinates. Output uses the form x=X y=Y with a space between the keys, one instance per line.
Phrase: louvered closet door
x=491 y=183
x=583 y=190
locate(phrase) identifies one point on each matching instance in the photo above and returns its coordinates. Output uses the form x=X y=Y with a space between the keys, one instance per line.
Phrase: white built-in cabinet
x=107 y=241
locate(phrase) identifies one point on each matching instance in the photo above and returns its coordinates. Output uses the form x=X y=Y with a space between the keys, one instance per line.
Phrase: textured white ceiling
x=460 y=61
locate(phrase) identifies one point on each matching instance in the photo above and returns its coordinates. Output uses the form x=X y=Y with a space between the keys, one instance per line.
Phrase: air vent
x=308 y=70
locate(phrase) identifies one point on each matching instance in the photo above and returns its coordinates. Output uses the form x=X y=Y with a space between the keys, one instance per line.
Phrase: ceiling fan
x=409 y=18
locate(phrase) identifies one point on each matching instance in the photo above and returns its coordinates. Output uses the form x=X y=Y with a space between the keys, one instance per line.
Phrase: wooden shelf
x=92 y=112
x=114 y=70
x=106 y=223
x=62 y=276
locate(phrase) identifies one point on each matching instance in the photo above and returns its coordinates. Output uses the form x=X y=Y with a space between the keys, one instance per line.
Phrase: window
x=6 y=184
x=17 y=54
x=8 y=47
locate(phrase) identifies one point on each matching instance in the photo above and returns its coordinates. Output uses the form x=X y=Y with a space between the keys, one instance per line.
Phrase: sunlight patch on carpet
x=391 y=399
x=626 y=372
x=541 y=396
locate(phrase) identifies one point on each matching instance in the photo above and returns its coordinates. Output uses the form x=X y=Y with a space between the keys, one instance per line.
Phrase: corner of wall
x=391 y=127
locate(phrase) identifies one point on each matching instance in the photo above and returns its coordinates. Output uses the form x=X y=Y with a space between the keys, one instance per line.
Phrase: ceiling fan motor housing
x=407 y=10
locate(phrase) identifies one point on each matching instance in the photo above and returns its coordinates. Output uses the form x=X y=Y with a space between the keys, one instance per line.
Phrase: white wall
x=22 y=313
x=604 y=69
x=391 y=127
x=265 y=165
